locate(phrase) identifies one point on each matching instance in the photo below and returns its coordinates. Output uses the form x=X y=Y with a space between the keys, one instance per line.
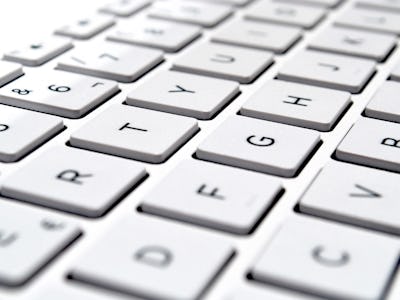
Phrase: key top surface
x=124 y=8
x=272 y=37
x=181 y=93
x=74 y=180
x=135 y=133
x=355 y=43
x=110 y=60
x=328 y=70
x=153 y=259
x=167 y=36
x=9 y=71
x=284 y=13
x=22 y=131
x=20 y=230
x=258 y=145
x=357 y=195
x=297 y=104
x=198 y=13
x=373 y=143
x=390 y=5
x=39 y=52
x=328 y=259
x=385 y=104
x=86 y=28
x=211 y=196
x=58 y=93
x=227 y=62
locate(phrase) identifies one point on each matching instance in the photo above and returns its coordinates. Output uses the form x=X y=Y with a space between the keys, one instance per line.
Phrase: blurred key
x=124 y=8
x=9 y=71
x=323 y=3
x=396 y=73
x=86 y=28
x=390 y=5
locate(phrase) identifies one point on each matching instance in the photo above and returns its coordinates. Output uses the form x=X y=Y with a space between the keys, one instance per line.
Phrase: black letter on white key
x=212 y=194
x=221 y=58
x=72 y=176
x=181 y=90
x=155 y=256
x=391 y=142
x=297 y=100
x=367 y=193
x=261 y=142
x=126 y=126
x=4 y=127
x=339 y=261
x=7 y=239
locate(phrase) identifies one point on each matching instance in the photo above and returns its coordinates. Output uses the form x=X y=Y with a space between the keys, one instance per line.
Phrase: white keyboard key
x=368 y=19
x=123 y=63
x=181 y=93
x=323 y=3
x=373 y=143
x=329 y=70
x=283 y=13
x=297 y=104
x=390 y=5
x=203 y=14
x=153 y=259
x=39 y=52
x=385 y=104
x=213 y=196
x=59 y=93
x=124 y=8
x=22 y=131
x=328 y=259
x=29 y=239
x=227 y=62
x=396 y=73
x=230 y=2
x=86 y=28
x=256 y=292
x=357 y=195
x=355 y=42
x=276 y=38
x=135 y=133
x=167 y=36
x=73 y=180
x=9 y=71
x=260 y=146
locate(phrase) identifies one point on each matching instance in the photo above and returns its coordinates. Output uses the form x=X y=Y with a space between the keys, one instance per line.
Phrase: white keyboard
x=200 y=149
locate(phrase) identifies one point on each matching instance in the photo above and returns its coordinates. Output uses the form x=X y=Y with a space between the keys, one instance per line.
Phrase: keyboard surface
x=199 y=149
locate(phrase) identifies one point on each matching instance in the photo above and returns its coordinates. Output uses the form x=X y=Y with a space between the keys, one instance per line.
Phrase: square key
x=384 y=104
x=327 y=259
x=213 y=196
x=261 y=146
x=73 y=180
x=153 y=259
x=135 y=133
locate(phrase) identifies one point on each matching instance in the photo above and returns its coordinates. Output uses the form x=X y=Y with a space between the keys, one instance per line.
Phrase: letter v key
x=367 y=193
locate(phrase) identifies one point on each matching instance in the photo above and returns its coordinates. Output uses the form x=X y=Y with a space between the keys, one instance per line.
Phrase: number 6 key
x=58 y=93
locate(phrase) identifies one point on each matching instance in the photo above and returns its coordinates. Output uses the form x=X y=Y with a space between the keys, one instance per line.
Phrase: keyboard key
x=230 y=2
x=153 y=259
x=29 y=239
x=73 y=180
x=297 y=104
x=203 y=14
x=323 y=3
x=86 y=28
x=9 y=71
x=355 y=42
x=135 y=133
x=22 y=131
x=59 y=93
x=384 y=104
x=283 y=13
x=358 y=195
x=263 y=293
x=226 y=62
x=375 y=20
x=260 y=146
x=39 y=52
x=373 y=143
x=185 y=94
x=396 y=73
x=276 y=38
x=390 y=5
x=113 y=61
x=167 y=36
x=329 y=70
x=211 y=196
x=124 y=8
x=328 y=259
